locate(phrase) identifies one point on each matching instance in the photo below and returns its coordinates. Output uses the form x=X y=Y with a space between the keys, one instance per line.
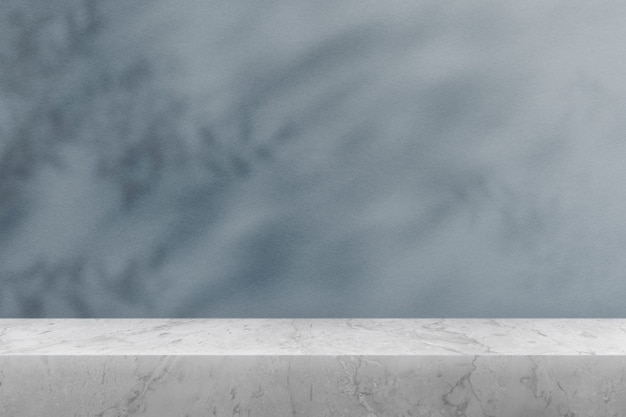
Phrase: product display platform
x=313 y=367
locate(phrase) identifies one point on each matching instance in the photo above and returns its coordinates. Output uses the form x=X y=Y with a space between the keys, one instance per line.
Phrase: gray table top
x=312 y=336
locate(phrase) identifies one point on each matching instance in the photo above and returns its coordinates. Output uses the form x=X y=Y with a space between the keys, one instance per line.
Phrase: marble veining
x=313 y=337
x=328 y=386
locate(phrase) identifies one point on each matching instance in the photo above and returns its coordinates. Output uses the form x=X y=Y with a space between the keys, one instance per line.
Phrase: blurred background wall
x=330 y=158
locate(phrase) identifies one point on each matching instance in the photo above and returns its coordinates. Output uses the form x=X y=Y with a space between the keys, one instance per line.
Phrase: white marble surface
x=313 y=367
x=313 y=337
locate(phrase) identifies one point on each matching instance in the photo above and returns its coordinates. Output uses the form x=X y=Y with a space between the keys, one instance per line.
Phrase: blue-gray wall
x=327 y=158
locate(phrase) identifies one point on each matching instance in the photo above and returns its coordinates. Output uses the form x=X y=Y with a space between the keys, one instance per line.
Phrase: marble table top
x=312 y=337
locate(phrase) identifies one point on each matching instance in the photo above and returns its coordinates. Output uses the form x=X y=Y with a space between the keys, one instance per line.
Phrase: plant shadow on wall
x=91 y=147
x=281 y=160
